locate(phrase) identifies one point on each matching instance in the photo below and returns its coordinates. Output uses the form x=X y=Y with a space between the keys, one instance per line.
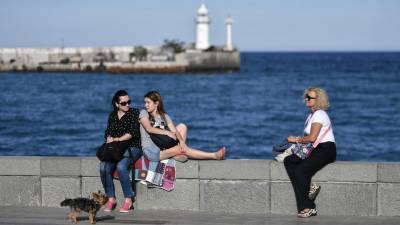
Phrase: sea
x=248 y=111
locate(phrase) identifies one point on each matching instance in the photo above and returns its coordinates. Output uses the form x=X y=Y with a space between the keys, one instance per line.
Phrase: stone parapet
x=234 y=186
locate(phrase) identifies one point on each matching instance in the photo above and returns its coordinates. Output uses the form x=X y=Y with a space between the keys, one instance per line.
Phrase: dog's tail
x=66 y=202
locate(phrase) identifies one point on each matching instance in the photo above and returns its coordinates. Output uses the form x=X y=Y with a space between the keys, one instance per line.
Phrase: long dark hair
x=115 y=99
x=156 y=97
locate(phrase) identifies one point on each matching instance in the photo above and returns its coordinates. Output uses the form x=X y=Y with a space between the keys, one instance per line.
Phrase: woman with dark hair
x=317 y=130
x=123 y=126
x=161 y=139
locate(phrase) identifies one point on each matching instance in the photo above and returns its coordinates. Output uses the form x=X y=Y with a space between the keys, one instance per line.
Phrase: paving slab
x=58 y=216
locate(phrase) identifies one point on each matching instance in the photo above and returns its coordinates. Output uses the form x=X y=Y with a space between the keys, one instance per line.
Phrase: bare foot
x=220 y=154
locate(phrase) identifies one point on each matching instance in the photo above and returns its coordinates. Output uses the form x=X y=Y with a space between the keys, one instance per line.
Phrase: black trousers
x=301 y=171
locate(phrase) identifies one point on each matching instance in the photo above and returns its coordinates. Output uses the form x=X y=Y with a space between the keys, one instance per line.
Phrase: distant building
x=229 y=45
x=202 y=28
x=171 y=57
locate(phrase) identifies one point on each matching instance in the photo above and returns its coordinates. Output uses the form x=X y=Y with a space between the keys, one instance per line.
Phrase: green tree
x=140 y=53
x=175 y=44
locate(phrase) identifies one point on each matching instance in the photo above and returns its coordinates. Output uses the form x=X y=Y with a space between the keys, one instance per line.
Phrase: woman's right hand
x=293 y=139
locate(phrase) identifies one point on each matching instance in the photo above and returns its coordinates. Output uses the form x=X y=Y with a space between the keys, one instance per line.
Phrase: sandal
x=181 y=158
x=314 y=191
x=309 y=213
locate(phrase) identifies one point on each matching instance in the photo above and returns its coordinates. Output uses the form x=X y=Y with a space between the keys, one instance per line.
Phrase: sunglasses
x=309 y=97
x=125 y=103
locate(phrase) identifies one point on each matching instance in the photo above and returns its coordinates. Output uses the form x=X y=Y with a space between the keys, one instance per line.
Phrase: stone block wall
x=233 y=186
x=199 y=61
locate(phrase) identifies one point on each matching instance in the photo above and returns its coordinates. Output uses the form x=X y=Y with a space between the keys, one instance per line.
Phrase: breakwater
x=117 y=60
x=235 y=186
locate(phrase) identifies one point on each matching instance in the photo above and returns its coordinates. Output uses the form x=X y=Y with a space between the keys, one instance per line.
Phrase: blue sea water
x=65 y=114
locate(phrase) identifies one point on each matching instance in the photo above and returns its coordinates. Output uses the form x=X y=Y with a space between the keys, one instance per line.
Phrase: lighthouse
x=202 y=28
x=229 y=45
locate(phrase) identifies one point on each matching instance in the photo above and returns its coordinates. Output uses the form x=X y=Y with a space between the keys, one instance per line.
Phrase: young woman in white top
x=162 y=140
x=318 y=128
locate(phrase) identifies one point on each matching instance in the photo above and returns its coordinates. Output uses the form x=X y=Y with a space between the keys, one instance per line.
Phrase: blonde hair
x=322 y=100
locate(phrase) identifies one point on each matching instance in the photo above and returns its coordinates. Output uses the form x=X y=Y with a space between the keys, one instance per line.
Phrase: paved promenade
x=48 y=216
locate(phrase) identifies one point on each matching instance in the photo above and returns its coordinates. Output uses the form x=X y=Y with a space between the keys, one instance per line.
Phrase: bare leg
x=171 y=152
x=198 y=154
x=181 y=134
x=182 y=129
x=192 y=153
x=186 y=150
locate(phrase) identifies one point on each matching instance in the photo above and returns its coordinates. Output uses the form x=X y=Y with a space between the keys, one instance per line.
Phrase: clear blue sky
x=260 y=25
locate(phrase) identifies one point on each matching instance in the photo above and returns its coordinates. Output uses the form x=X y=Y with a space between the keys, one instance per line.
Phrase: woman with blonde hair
x=161 y=139
x=318 y=129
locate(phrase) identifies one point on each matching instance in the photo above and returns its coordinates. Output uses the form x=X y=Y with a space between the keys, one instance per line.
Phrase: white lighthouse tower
x=202 y=32
x=229 y=45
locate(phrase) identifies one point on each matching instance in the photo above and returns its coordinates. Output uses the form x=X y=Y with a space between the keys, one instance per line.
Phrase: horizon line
x=245 y=50
x=322 y=50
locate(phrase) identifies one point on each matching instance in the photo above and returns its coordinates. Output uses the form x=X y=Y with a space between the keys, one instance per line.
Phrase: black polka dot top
x=129 y=123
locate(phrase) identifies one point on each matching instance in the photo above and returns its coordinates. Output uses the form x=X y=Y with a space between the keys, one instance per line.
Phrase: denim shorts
x=152 y=152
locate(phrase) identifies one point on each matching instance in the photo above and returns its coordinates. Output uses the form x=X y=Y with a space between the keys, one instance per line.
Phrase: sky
x=259 y=25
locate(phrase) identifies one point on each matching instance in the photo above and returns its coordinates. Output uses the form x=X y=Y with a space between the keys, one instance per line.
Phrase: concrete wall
x=235 y=186
x=213 y=60
x=70 y=59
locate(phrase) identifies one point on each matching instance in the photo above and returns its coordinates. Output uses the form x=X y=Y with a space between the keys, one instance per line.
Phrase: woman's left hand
x=172 y=135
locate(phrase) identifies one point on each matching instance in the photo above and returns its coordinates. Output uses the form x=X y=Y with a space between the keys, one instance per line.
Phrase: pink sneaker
x=109 y=206
x=126 y=207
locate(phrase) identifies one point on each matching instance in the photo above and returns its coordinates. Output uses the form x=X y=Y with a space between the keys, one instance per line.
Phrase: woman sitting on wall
x=318 y=128
x=123 y=126
x=162 y=140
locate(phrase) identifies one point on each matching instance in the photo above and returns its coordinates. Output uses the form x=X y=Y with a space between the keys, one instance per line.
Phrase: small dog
x=90 y=206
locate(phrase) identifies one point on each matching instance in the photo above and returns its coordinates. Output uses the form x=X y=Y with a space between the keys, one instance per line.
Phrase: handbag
x=304 y=150
x=113 y=151
x=163 y=141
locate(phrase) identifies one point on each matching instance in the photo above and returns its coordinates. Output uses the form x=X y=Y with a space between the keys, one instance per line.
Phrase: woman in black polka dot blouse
x=123 y=125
